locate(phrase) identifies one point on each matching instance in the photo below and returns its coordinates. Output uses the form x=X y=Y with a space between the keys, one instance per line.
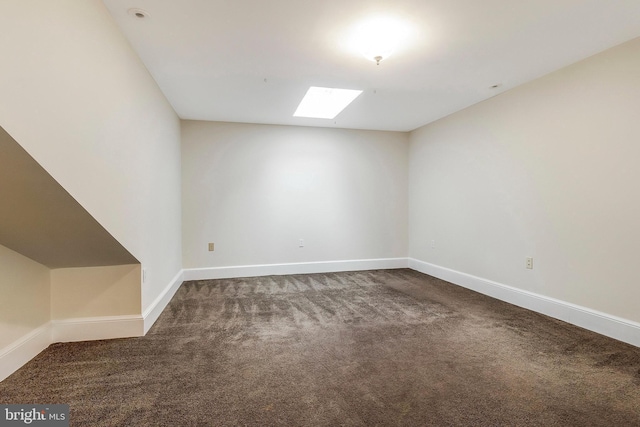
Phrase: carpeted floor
x=373 y=348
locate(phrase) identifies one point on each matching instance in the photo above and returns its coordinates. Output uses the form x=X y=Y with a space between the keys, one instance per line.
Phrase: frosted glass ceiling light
x=325 y=102
x=377 y=38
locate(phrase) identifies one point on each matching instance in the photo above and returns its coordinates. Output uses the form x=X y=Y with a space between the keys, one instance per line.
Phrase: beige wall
x=255 y=190
x=79 y=100
x=548 y=170
x=95 y=291
x=24 y=296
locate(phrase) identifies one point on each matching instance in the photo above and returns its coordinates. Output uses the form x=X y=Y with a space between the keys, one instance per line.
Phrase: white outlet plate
x=529 y=263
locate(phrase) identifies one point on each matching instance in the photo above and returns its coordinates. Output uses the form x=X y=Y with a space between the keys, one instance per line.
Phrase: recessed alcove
x=62 y=269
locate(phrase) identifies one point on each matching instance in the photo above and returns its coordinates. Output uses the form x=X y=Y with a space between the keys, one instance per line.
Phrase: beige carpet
x=385 y=348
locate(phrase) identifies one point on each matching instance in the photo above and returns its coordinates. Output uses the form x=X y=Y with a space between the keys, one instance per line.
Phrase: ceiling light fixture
x=377 y=38
x=324 y=102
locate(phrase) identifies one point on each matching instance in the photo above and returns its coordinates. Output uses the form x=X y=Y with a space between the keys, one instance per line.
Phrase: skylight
x=325 y=102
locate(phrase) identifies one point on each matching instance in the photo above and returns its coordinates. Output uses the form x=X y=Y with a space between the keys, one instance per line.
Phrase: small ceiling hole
x=138 y=13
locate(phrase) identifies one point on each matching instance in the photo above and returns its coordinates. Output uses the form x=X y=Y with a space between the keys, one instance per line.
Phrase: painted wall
x=255 y=190
x=95 y=291
x=80 y=101
x=24 y=296
x=548 y=170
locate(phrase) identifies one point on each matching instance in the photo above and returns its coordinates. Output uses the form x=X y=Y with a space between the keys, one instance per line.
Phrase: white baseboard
x=97 y=328
x=16 y=354
x=293 y=268
x=13 y=356
x=602 y=323
x=151 y=314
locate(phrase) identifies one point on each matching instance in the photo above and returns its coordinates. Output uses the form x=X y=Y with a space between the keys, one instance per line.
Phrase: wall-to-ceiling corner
x=547 y=170
x=78 y=99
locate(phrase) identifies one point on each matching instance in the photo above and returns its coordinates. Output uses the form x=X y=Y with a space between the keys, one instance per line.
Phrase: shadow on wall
x=42 y=221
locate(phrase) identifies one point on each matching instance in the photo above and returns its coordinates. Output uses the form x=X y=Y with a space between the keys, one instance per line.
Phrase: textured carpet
x=386 y=347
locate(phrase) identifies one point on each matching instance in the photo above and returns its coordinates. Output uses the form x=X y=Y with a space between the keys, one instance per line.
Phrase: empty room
x=296 y=213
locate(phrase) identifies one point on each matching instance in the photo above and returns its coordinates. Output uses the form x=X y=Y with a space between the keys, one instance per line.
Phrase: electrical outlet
x=301 y=243
x=530 y=263
x=433 y=244
x=144 y=275
x=210 y=247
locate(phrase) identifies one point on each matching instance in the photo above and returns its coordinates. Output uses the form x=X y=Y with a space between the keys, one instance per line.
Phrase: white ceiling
x=253 y=60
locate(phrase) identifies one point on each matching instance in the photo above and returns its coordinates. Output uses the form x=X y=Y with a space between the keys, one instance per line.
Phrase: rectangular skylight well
x=325 y=102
